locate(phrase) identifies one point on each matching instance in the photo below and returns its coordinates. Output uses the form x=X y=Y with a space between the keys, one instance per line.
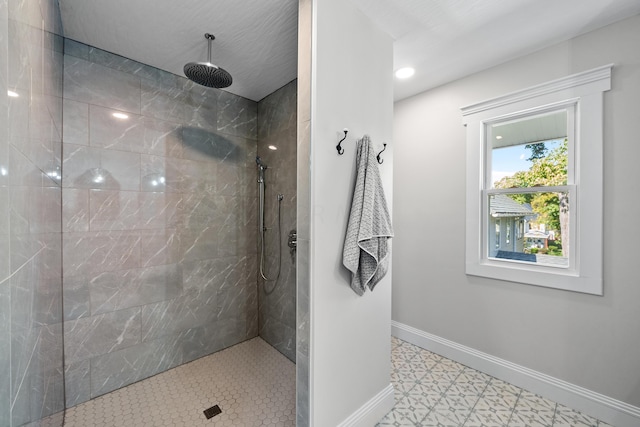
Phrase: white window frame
x=584 y=93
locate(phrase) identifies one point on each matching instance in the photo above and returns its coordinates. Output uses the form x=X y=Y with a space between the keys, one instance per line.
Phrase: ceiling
x=256 y=41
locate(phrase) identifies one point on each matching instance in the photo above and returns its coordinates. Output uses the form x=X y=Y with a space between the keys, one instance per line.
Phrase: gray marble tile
x=233 y=301
x=88 y=337
x=44 y=159
x=303 y=180
x=277 y=115
x=202 y=107
x=211 y=337
x=5 y=321
x=159 y=210
x=5 y=372
x=162 y=138
x=51 y=70
x=45 y=118
x=46 y=393
x=89 y=167
x=77 y=49
x=5 y=261
x=45 y=210
x=203 y=340
x=24 y=173
x=117 y=290
x=121 y=63
x=43 y=344
x=160 y=247
x=199 y=244
x=23 y=248
x=76 y=297
x=20 y=55
x=209 y=276
x=201 y=210
x=165 y=102
x=178 y=314
x=174 y=175
x=36 y=288
x=144 y=359
x=77 y=378
x=279 y=335
x=18 y=218
x=118 y=62
x=75 y=209
x=234 y=180
x=96 y=84
x=204 y=145
x=125 y=133
x=302 y=390
x=95 y=252
x=76 y=122
x=113 y=210
x=18 y=114
x=237 y=116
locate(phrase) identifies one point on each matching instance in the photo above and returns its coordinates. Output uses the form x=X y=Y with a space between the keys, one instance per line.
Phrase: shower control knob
x=293 y=239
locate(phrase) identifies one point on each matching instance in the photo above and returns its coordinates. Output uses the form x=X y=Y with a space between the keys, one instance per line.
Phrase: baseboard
x=373 y=411
x=611 y=411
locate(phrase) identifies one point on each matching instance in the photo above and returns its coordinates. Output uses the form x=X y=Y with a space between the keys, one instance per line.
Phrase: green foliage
x=545 y=170
x=555 y=248
x=538 y=150
x=547 y=206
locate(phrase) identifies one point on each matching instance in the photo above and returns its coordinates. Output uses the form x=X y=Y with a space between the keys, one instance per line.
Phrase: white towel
x=366 y=250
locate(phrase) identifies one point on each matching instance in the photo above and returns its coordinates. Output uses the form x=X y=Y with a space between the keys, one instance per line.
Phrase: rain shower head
x=206 y=73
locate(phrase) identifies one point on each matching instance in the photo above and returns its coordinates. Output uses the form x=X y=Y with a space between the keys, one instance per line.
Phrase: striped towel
x=366 y=246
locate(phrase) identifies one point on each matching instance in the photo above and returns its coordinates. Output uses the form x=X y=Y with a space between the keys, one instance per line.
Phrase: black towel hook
x=378 y=156
x=339 y=147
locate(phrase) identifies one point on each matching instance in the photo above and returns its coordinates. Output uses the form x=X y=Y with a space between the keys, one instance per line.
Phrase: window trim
x=585 y=90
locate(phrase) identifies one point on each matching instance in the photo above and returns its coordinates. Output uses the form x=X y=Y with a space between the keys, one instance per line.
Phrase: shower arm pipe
x=210 y=38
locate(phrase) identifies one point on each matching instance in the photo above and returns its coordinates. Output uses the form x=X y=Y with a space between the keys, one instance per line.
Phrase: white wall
x=586 y=340
x=351 y=69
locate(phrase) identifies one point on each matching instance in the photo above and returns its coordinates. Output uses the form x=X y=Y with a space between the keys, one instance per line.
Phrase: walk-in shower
x=262 y=229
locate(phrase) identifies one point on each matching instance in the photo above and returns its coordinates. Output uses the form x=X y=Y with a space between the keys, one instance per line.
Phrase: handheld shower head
x=260 y=163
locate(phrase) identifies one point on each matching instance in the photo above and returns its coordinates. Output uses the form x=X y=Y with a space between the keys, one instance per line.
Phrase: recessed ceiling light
x=404 y=73
x=12 y=94
x=120 y=116
x=272 y=147
x=498 y=137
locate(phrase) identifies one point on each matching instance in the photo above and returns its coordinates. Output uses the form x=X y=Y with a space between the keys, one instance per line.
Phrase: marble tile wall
x=31 y=358
x=277 y=299
x=159 y=214
x=303 y=365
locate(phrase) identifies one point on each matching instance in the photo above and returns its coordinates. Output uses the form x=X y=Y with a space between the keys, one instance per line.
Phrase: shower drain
x=212 y=412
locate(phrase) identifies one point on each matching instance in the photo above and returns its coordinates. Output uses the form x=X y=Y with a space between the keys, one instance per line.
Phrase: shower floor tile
x=252 y=383
x=434 y=391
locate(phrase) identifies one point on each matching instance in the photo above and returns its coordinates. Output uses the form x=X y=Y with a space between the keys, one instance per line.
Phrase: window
x=534 y=172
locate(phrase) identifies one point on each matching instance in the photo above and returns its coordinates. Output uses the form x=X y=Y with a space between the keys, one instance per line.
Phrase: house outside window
x=534 y=170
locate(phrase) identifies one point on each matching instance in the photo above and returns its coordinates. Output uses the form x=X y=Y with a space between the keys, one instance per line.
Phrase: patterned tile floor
x=253 y=384
x=438 y=392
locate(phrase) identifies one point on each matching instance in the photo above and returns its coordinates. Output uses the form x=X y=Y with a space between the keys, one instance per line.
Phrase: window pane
x=542 y=224
x=529 y=152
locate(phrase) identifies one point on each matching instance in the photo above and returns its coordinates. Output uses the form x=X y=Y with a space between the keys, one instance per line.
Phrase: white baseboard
x=373 y=411
x=611 y=411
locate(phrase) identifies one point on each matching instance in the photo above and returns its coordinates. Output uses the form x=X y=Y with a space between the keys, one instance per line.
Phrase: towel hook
x=378 y=156
x=339 y=147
